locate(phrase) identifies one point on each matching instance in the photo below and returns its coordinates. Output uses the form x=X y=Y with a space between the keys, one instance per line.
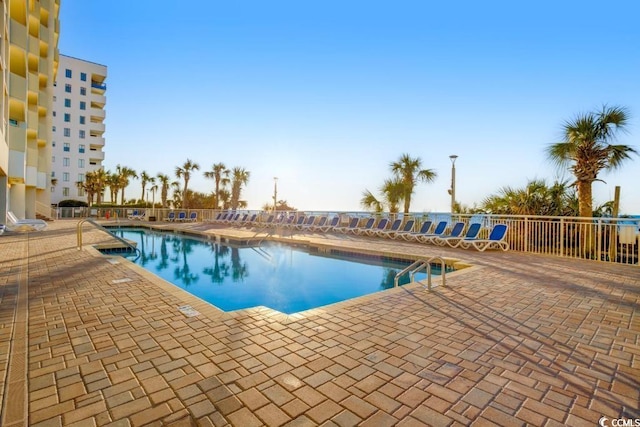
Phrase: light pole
x=275 y=193
x=452 y=191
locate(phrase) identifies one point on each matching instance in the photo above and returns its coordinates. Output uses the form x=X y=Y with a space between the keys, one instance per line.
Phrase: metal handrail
x=120 y=239
x=417 y=266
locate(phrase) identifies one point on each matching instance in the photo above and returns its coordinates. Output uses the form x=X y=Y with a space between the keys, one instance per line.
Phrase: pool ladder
x=134 y=248
x=420 y=265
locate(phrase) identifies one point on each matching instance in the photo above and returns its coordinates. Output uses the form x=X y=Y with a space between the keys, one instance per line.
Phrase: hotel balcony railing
x=101 y=86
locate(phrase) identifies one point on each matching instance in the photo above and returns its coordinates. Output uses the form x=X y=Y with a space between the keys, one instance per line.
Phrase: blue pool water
x=285 y=278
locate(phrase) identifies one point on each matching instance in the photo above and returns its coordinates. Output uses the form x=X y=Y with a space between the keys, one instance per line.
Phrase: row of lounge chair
x=398 y=229
x=182 y=217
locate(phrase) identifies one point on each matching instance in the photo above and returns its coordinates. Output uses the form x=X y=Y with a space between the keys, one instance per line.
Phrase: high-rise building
x=29 y=32
x=78 y=126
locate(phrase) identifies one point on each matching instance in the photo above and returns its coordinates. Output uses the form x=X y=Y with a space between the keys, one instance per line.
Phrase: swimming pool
x=285 y=278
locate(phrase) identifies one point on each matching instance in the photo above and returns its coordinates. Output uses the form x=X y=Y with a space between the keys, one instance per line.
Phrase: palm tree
x=163 y=180
x=145 y=179
x=114 y=186
x=587 y=149
x=184 y=172
x=392 y=192
x=220 y=174
x=239 y=178
x=407 y=171
x=124 y=174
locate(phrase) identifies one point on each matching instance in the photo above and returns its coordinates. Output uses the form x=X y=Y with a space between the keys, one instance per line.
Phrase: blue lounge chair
x=381 y=226
x=455 y=232
x=353 y=223
x=328 y=227
x=441 y=227
x=367 y=226
x=494 y=241
x=308 y=223
x=181 y=216
x=413 y=235
x=321 y=223
x=407 y=229
x=193 y=217
x=471 y=234
x=395 y=225
x=171 y=217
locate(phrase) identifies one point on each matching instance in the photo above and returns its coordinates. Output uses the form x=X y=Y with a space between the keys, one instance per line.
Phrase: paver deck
x=514 y=340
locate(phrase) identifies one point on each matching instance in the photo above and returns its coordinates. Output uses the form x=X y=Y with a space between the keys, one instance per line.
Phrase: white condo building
x=78 y=126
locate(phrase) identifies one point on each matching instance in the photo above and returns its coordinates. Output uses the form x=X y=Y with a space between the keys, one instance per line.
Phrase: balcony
x=96 y=141
x=99 y=88
x=17 y=87
x=97 y=115
x=18 y=34
x=96 y=129
x=96 y=156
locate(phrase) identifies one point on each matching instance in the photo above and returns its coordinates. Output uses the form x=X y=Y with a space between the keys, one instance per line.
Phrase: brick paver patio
x=88 y=340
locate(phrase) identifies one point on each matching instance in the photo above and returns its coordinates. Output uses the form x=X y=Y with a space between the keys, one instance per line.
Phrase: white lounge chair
x=15 y=224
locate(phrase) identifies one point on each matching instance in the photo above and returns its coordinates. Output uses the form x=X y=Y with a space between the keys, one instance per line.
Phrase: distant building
x=78 y=126
x=29 y=32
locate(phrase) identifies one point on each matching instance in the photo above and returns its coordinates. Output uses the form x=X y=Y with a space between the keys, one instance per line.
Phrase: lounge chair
x=15 y=224
x=297 y=222
x=367 y=226
x=248 y=222
x=171 y=217
x=381 y=226
x=181 y=216
x=454 y=233
x=494 y=241
x=328 y=227
x=471 y=234
x=412 y=236
x=441 y=227
x=395 y=225
x=321 y=223
x=133 y=215
x=266 y=223
x=307 y=224
x=407 y=229
x=353 y=224
x=193 y=217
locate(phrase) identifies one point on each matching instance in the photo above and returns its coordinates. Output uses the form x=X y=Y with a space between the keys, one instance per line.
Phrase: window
x=80 y=191
x=65 y=176
x=81 y=134
x=83 y=105
x=66 y=161
x=53 y=160
x=67 y=73
x=82 y=120
x=81 y=163
x=67 y=102
x=83 y=91
x=67 y=117
x=67 y=132
x=83 y=77
x=67 y=88
x=54 y=128
x=65 y=191
x=66 y=146
x=80 y=177
x=53 y=143
x=54 y=114
x=81 y=148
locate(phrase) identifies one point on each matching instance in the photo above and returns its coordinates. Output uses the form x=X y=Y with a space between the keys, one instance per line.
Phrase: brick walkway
x=515 y=340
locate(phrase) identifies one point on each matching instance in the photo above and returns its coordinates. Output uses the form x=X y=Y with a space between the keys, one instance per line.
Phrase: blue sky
x=325 y=94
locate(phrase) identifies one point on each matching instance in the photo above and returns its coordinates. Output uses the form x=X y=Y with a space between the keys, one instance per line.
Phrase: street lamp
x=452 y=191
x=275 y=193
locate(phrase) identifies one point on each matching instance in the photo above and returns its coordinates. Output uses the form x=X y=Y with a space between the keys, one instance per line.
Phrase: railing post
x=562 y=225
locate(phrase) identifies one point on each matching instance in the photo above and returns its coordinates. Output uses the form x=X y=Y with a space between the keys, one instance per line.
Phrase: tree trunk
x=587 y=240
x=585 y=200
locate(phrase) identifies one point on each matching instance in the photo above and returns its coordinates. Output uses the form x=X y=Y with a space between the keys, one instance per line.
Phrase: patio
x=516 y=339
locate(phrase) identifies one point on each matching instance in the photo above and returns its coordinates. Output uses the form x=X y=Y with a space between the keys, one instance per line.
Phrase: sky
x=324 y=95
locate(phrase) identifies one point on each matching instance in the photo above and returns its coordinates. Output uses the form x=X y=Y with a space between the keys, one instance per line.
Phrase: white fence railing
x=613 y=240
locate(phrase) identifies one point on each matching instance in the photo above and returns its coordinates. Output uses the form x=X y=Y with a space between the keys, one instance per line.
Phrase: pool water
x=285 y=278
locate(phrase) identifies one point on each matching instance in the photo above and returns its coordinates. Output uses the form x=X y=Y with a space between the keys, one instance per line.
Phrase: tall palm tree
x=408 y=171
x=220 y=174
x=145 y=179
x=239 y=178
x=113 y=183
x=163 y=180
x=587 y=149
x=392 y=191
x=124 y=173
x=184 y=172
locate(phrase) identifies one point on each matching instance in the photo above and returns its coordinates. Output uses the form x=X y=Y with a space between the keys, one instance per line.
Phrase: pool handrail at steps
x=128 y=244
x=417 y=266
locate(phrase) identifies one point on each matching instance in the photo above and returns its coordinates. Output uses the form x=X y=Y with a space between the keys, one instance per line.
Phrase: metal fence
x=612 y=240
